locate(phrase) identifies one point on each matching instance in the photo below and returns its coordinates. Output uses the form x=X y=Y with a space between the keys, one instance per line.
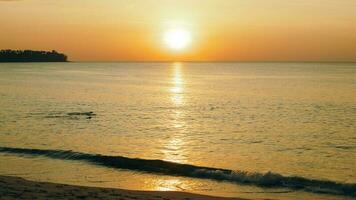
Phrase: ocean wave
x=176 y=169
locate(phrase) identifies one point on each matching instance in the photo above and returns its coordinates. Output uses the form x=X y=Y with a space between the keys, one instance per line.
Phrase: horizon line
x=211 y=61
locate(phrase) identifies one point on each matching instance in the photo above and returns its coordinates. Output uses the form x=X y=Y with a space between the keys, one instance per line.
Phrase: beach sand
x=19 y=188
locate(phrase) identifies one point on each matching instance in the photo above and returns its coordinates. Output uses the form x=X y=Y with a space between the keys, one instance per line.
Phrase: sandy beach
x=19 y=188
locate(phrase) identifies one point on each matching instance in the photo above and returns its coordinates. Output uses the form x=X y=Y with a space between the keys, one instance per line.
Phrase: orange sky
x=240 y=30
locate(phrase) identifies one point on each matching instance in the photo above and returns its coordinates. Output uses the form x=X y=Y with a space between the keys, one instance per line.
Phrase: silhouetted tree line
x=31 y=56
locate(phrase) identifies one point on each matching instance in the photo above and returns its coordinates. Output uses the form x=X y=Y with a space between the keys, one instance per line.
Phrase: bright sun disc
x=177 y=39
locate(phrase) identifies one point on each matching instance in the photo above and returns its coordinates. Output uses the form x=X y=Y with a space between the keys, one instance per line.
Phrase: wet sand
x=19 y=188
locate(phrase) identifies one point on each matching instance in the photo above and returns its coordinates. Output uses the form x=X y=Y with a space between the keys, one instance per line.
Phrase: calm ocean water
x=266 y=122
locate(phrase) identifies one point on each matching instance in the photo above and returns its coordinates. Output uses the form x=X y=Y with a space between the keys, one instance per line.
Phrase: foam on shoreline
x=176 y=169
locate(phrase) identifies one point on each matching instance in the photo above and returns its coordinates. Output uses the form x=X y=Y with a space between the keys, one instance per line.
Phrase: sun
x=177 y=39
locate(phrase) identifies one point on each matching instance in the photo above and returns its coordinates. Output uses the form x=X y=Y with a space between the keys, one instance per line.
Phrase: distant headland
x=31 y=56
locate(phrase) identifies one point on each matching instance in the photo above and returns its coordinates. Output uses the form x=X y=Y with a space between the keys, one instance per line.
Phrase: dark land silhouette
x=31 y=56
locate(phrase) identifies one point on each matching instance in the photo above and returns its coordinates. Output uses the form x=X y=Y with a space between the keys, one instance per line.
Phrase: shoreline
x=20 y=188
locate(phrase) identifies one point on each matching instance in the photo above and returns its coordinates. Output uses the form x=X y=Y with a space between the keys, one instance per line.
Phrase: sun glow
x=177 y=39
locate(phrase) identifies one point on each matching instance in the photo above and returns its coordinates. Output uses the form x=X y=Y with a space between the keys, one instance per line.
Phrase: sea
x=254 y=130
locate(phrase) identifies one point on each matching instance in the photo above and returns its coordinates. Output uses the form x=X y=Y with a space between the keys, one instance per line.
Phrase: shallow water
x=292 y=119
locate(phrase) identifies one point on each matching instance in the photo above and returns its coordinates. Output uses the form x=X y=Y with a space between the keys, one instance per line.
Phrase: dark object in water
x=31 y=56
x=71 y=115
x=89 y=115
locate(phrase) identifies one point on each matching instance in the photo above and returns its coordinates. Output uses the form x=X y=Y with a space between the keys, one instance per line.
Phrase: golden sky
x=227 y=30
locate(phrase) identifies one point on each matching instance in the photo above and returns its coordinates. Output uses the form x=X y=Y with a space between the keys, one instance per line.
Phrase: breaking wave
x=170 y=168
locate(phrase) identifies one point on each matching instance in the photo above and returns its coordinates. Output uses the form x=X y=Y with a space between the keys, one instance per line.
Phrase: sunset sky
x=219 y=30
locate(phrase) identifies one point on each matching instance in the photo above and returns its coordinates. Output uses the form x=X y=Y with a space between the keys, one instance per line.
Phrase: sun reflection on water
x=174 y=150
x=177 y=89
x=172 y=184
